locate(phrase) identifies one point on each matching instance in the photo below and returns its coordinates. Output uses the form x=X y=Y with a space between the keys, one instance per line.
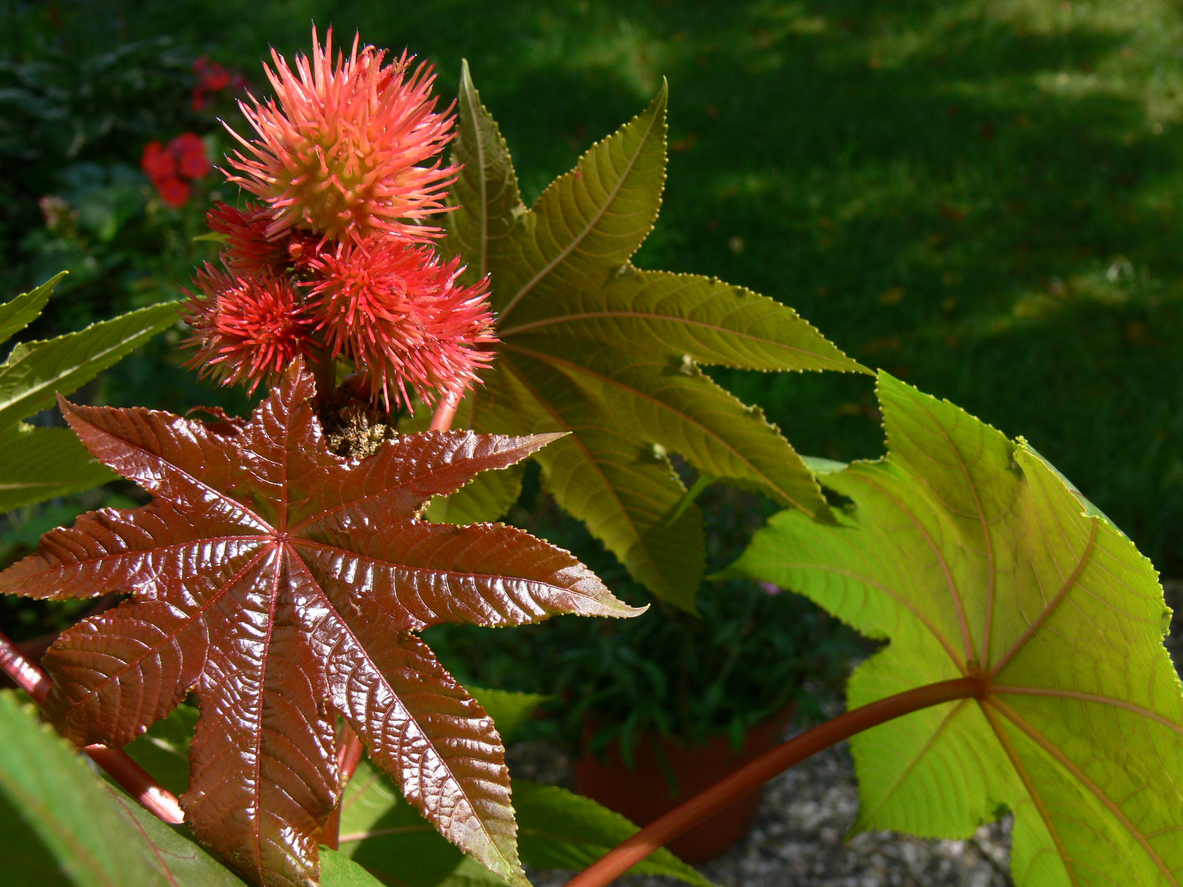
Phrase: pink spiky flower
x=248 y=327
x=345 y=150
x=395 y=310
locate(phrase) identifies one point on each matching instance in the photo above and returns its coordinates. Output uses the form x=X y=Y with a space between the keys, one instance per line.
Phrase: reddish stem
x=349 y=752
x=35 y=648
x=324 y=373
x=446 y=411
x=794 y=751
x=349 y=748
x=135 y=780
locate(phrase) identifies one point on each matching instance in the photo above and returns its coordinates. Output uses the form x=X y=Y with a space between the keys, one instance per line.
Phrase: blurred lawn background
x=983 y=198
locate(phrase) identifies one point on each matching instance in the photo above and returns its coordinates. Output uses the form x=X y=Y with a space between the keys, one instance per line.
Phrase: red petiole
x=660 y=832
x=135 y=780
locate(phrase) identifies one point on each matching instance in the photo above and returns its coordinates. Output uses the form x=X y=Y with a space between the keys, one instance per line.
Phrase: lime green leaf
x=977 y=559
x=95 y=836
x=36 y=371
x=389 y=838
x=19 y=312
x=509 y=710
x=338 y=870
x=558 y=829
x=41 y=463
x=593 y=346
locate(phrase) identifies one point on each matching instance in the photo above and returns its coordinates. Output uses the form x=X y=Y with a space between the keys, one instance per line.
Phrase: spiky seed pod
x=248 y=327
x=345 y=149
x=396 y=310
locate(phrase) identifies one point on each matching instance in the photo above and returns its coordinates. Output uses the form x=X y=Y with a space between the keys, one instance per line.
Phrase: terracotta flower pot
x=643 y=794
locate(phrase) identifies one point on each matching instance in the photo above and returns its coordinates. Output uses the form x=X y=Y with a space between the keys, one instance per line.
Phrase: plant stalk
x=324 y=373
x=349 y=753
x=446 y=411
x=134 y=779
x=349 y=747
x=660 y=832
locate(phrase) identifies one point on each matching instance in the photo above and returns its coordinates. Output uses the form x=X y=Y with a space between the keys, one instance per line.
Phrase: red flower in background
x=172 y=169
x=190 y=153
x=213 y=77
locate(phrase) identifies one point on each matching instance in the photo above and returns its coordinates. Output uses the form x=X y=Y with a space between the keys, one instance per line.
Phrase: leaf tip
x=535 y=442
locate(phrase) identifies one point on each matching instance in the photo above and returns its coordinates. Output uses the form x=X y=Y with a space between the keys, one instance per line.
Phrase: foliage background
x=978 y=196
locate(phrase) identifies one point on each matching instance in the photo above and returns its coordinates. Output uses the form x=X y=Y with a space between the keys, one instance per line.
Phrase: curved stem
x=135 y=780
x=794 y=751
x=446 y=411
x=324 y=372
x=349 y=752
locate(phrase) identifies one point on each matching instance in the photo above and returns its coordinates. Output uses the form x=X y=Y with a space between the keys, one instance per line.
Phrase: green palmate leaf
x=63 y=826
x=487 y=498
x=976 y=559
x=17 y=313
x=41 y=463
x=489 y=202
x=593 y=346
x=557 y=829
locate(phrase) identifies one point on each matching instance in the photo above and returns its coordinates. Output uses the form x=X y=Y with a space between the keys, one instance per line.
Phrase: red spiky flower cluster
x=339 y=152
x=335 y=262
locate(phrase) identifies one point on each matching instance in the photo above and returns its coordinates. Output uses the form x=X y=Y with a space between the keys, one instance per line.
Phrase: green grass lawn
x=979 y=197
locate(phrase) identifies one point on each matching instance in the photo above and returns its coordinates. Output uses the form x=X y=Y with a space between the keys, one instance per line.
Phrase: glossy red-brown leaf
x=283 y=584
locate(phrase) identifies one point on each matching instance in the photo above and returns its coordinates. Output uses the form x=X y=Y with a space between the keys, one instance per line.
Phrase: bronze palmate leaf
x=284 y=585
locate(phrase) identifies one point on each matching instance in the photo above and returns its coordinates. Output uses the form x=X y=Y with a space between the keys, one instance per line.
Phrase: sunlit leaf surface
x=284 y=585
x=591 y=345
x=972 y=555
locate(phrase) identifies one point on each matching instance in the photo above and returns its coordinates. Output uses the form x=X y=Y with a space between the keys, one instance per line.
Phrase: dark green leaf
x=17 y=313
x=36 y=372
x=558 y=829
x=42 y=463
